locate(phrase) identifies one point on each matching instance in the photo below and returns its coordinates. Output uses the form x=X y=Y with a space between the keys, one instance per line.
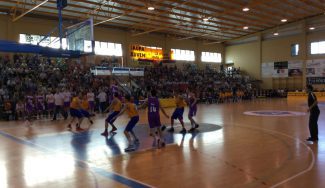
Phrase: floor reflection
x=3 y=175
x=42 y=169
x=79 y=143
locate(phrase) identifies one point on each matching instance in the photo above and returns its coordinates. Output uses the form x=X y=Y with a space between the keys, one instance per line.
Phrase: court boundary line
x=83 y=164
x=311 y=165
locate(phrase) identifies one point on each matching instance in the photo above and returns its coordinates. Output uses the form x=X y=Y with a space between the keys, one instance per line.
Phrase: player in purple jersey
x=154 y=106
x=113 y=90
x=192 y=103
x=29 y=108
x=40 y=105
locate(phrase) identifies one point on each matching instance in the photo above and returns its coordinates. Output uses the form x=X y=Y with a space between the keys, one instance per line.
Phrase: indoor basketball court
x=241 y=69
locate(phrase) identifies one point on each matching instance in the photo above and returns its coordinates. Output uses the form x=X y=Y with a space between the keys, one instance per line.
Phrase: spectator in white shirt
x=59 y=101
x=50 y=103
x=102 y=97
x=91 y=101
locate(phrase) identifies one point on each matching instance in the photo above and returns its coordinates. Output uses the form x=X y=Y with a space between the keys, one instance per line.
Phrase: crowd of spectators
x=206 y=84
x=23 y=75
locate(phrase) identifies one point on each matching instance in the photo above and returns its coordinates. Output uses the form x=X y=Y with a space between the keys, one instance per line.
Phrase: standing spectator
x=102 y=97
x=91 y=101
x=59 y=101
x=314 y=114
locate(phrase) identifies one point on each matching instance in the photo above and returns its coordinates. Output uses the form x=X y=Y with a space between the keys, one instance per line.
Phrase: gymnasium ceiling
x=211 y=20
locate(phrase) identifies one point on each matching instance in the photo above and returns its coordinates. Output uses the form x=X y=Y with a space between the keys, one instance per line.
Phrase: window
x=52 y=42
x=211 y=57
x=101 y=48
x=317 y=47
x=108 y=48
x=294 y=49
x=183 y=55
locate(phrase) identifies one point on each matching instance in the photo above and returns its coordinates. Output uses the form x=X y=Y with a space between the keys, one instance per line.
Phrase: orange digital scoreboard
x=147 y=55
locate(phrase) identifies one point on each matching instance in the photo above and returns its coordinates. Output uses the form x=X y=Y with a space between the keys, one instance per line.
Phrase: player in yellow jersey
x=114 y=110
x=178 y=114
x=132 y=111
x=75 y=112
x=85 y=108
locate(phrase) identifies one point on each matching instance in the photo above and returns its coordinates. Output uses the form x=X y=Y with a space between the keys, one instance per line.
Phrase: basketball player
x=192 y=103
x=114 y=108
x=314 y=114
x=20 y=110
x=40 y=106
x=75 y=112
x=113 y=90
x=29 y=108
x=178 y=114
x=154 y=106
x=132 y=111
x=84 y=109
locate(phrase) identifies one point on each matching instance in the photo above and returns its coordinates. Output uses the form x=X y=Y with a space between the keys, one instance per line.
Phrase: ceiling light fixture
x=312 y=28
x=284 y=20
x=276 y=33
x=151 y=8
x=245 y=9
x=245 y=27
x=205 y=19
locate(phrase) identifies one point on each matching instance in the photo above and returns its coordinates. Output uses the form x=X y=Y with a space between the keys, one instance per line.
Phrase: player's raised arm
x=143 y=105
x=163 y=110
x=109 y=108
x=122 y=111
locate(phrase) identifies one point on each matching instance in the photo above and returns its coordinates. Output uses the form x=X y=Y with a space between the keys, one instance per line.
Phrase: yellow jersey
x=75 y=103
x=131 y=110
x=117 y=105
x=180 y=103
x=85 y=104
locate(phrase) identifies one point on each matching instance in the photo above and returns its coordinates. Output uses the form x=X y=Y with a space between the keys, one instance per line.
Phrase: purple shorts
x=66 y=104
x=133 y=121
x=178 y=113
x=75 y=113
x=50 y=106
x=111 y=117
x=85 y=113
x=154 y=121
x=192 y=112
x=40 y=106
x=29 y=107
x=91 y=104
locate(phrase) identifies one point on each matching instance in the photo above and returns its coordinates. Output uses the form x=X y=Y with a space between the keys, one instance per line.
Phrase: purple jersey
x=29 y=100
x=29 y=103
x=40 y=99
x=192 y=103
x=153 y=112
x=153 y=106
x=193 y=107
x=114 y=89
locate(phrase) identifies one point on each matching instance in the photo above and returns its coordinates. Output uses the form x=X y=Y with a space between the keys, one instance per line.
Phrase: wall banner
x=267 y=69
x=316 y=80
x=295 y=68
x=280 y=69
x=315 y=68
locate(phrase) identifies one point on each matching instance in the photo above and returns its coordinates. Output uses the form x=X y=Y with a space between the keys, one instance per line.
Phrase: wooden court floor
x=229 y=150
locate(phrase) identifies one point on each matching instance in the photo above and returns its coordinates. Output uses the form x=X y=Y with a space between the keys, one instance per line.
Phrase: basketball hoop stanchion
x=71 y=42
x=60 y=5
